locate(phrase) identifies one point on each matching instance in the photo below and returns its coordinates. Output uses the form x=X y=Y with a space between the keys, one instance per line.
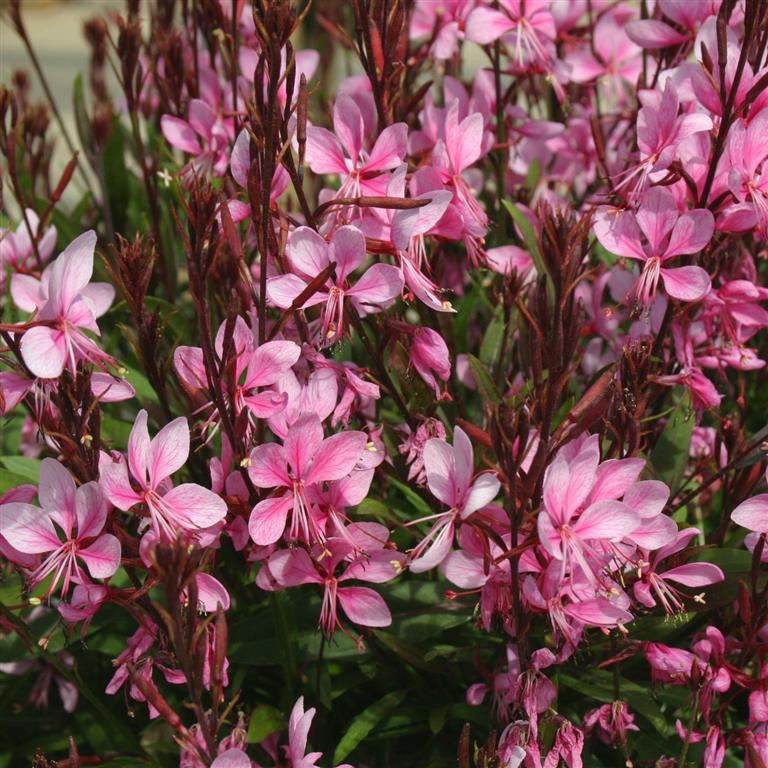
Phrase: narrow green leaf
x=529 y=236
x=670 y=454
x=490 y=346
x=365 y=722
x=22 y=466
x=485 y=384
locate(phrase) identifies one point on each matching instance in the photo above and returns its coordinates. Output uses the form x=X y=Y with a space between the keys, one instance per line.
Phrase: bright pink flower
x=309 y=254
x=304 y=459
x=447 y=18
x=611 y=723
x=16 y=249
x=65 y=304
x=668 y=234
x=451 y=479
x=187 y=507
x=68 y=529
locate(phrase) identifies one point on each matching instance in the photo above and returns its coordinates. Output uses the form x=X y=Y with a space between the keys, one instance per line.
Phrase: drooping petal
x=364 y=606
x=267 y=521
x=232 y=758
x=695 y=574
x=179 y=134
x=686 y=283
x=44 y=351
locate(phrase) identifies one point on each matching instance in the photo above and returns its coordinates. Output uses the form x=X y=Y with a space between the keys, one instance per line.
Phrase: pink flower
x=451 y=480
x=298 y=732
x=309 y=254
x=68 y=529
x=304 y=459
x=430 y=357
x=187 y=507
x=668 y=234
x=753 y=513
x=65 y=304
x=343 y=154
x=364 y=557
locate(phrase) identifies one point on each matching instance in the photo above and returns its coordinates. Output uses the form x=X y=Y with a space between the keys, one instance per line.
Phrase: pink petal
x=484 y=25
x=752 y=514
x=377 y=288
x=336 y=456
x=307 y=252
x=270 y=361
x=463 y=141
x=72 y=270
x=179 y=134
x=193 y=506
x=98 y=297
x=606 y=521
x=57 y=494
x=291 y=567
x=138 y=448
x=650 y=33
x=691 y=233
x=168 y=451
x=482 y=492
x=440 y=469
x=240 y=162
x=267 y=521
x=232 y=758
x=464 y=571
x=324 y=153
x=28 y=529
x=647 y=497
x=44 y=351
x=364 y=606
x=438 y=548
x=26 y=292
x=390 y=148
x=695 y=574
x=657 y=216
x=102 y=557
x=211 y=593
x=619 y=233
x=348 y=250
x=90 y=510
x=686 y=283
x=348 y=124
x=114 y=481
x=109 y=389
x=614 y=477
x=302 y=443
x=188 y=362
x=283 y=290
x=654 y=532
x=264 y=405
x=376 y=567
x=268 y=467
x=201 y=117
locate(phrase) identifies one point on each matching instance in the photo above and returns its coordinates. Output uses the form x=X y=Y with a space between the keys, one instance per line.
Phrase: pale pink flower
x=188 y=507
x=657 y=233
x=304 y=459
x=753 y=513
x=309 y=254
x=68 y=529
x=451 y=479
x=66 y=303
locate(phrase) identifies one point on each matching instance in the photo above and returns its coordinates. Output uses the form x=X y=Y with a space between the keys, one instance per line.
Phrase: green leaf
x=141 y=384
x=670 y=454
x=485 y=384
x=421 y=506
x=22 y=466
x=531 y=242
x=490 y=346
x=82 y=121
x=365 y=722
x=265 y=720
